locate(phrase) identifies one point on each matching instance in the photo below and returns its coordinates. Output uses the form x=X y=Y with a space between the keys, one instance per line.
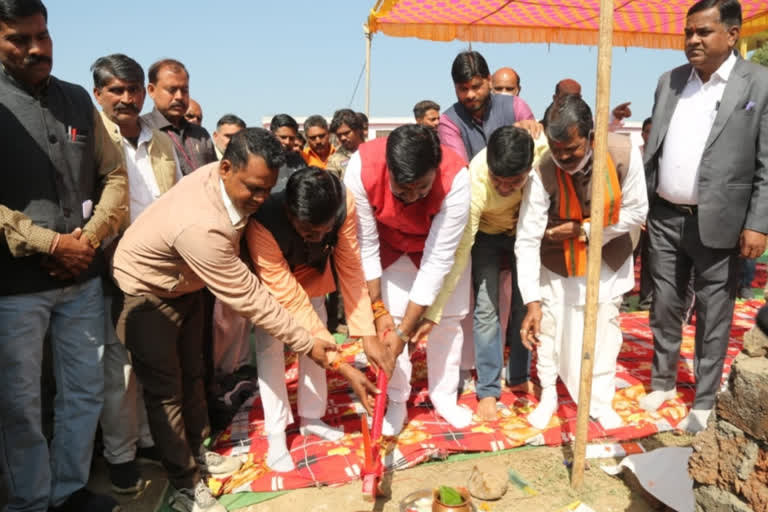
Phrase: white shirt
x=537 y=282
x=142 y=183
x=442 y=240
x=235 y=216
x=687 y=135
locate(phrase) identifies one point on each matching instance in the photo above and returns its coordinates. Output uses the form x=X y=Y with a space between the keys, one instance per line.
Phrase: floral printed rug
x=427 y=436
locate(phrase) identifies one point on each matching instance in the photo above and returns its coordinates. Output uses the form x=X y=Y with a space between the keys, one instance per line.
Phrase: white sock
x=696 y=421
x=394 y=419
x=540 y=416
x=609 y=419
x=456 y=415
x=654 y=399
x=320 y=428
x=278 y=456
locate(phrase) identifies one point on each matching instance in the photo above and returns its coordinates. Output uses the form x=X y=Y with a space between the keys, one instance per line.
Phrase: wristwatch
x=400 y=334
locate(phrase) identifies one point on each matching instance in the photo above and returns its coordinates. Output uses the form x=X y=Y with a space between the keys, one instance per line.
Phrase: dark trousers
x=676 y=250
x=646 y=294
x=165 y=339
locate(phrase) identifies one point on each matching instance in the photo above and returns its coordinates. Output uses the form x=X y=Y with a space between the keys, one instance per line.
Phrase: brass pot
x=438 y=506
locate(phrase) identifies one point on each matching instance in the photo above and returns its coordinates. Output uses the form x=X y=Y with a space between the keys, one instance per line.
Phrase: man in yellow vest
x=551 y=250
x=118 y=86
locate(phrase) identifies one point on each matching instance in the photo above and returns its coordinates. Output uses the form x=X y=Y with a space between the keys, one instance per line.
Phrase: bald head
x=194 y=113
x=506 y=81
x=567 y=87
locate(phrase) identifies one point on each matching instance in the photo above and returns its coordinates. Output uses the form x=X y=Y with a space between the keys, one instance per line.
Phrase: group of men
x=131 y=241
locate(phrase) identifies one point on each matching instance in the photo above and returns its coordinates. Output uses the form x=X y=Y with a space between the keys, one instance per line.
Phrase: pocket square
x=750 y=105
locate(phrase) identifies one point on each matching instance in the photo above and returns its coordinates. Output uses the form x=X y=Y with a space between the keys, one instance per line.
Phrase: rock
x=711 y=499
x=486 y=486
x=702 y=466
x=756 y=486
x=755 y=342
x=744 y=404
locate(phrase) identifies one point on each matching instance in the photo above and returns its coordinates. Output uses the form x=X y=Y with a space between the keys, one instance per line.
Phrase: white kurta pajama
x=402 y=282
x=563 y=298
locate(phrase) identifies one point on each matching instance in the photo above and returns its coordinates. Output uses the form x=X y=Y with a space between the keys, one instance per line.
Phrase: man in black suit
x=706 y=166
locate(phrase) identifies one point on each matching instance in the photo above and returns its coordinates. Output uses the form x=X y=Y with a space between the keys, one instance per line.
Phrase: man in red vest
x=412 y=197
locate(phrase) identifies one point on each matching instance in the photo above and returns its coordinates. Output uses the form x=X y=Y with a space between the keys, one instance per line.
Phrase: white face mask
x=579 y=167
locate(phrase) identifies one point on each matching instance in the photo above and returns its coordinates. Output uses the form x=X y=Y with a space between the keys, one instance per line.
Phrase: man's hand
x=422 y=330
x=531 y=327
x=533 y=127
x=564 y=231
x=385 y=324
x=379 y=354
x=74 y=252
x=622 y=111
x=320 y=352
x=363 y=388
x=56 y=270
x=752 y=244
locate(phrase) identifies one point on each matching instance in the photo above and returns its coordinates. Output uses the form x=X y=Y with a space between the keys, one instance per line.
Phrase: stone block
x=745 y=404
x=755 y=342
x=711 y=499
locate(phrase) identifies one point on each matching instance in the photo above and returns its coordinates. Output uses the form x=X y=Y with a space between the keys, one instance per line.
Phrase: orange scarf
x=574 y=249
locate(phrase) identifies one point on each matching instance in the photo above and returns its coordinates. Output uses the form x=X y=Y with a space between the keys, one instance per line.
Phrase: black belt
x=685 y=209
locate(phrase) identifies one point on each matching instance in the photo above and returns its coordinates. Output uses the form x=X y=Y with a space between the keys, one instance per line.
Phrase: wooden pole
x=368 y=37
x=594 y=257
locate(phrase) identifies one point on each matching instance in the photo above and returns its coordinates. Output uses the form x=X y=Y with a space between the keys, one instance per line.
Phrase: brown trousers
x=165 y=340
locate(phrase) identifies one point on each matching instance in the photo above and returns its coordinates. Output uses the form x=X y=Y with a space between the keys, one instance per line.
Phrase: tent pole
x=368 y=37
x=594 y=254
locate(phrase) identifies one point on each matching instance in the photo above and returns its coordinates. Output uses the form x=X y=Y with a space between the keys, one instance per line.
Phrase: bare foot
x=527 y=387
x=486 y=408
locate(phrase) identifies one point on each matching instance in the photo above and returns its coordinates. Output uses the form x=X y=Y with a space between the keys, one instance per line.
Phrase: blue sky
x=257 y=58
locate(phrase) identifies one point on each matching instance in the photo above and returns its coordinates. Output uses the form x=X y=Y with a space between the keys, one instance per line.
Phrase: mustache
x=131 y=107
x=37 y=59
x=177 y=104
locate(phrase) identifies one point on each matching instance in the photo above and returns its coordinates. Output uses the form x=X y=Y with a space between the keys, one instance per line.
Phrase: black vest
x=48 y=171
x=295 y=249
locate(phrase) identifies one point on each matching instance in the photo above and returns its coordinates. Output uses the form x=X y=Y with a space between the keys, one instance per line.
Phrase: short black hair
x=412 y=151
x=119 y=66
x=254 y=141
x=315 y=120
x=12 y=10
x=510 y=151
x=420 y=109
x=230 y=119
x=363 y=118
x=313 y=195
x=174 y=65
x=647 y=121
x=568 y=111
x=347 y=117
x=281 y=120
x=730 y=10
x=468 y=65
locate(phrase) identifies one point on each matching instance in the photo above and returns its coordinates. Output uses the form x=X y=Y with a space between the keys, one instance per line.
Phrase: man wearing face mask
x=551 y=249
x=293 y=241
x=498 y=174
x=412 y=197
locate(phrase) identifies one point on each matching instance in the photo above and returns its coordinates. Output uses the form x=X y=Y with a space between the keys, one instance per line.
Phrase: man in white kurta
x=555 y=299
x=412 y=198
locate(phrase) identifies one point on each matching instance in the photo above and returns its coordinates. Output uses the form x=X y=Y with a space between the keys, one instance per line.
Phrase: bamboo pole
x=368 y=37
x=594 y=256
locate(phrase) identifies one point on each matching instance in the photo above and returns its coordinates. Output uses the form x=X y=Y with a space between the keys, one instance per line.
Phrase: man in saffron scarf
x=551 y=250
